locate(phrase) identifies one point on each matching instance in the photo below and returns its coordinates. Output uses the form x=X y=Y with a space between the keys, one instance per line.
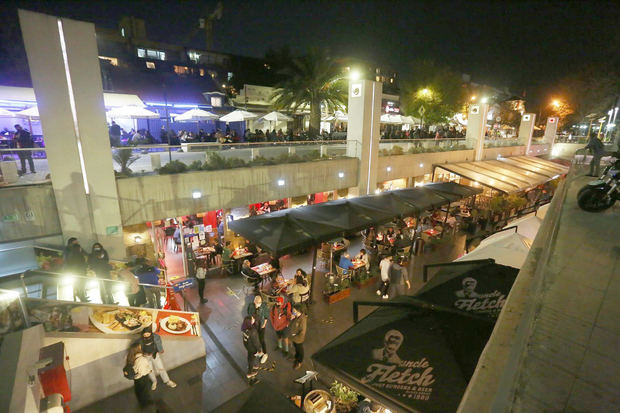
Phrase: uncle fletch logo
x=469 y=300
x=409 y=379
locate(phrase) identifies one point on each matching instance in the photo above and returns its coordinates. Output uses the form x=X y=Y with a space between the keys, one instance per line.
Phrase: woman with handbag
x=141 y=368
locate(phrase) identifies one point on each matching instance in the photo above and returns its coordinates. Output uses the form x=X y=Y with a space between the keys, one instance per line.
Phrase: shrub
x=195 y=166
x=172 y=167
x=397 y=150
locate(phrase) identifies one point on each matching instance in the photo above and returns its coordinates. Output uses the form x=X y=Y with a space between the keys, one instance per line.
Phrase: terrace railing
x=389 y=147
x=11 y=168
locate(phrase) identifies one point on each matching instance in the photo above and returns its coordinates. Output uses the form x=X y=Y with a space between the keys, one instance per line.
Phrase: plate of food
x=120 y=321
x=175 y=325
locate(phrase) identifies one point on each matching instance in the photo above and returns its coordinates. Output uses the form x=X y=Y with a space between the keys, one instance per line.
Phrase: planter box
x=365 y=283
x=340 y=295
x=9 y=171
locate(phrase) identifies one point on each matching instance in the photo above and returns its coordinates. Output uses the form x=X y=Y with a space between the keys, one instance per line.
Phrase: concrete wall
x=97 y=363
x=155 y=197
x=28 y=212
x=566 y=150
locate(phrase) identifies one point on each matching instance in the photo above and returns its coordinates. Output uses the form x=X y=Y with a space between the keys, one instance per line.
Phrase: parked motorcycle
x=601 y=193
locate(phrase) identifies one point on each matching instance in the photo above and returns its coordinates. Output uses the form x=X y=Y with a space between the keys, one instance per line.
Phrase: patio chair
x=252 y=282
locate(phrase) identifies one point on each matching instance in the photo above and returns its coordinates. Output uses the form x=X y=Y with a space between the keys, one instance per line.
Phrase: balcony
x=11 y=167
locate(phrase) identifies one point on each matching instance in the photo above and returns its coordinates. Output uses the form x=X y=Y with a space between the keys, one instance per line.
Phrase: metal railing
x=167 y=159
x=500 y=142
x=389 y=147
x=23 y=166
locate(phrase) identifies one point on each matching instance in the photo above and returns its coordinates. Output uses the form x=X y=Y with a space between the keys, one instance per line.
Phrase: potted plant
x=344 y=397
x=363 y=278
x=336 y=289
x=124 y=157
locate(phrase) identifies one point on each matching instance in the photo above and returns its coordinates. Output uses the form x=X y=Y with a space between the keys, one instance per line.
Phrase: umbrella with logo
x=260 y=397
x=479 y=287
x=408 y=357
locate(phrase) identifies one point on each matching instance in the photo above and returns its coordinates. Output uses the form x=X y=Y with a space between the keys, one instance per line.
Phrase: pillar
x=526 y=130
x=550 y=131
x=64 y=67
x=363 y=131
x=476 y=129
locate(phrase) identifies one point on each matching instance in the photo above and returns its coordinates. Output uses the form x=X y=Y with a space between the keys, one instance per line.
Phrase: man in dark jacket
x=598 y=151
x=24 y=140
x=399 y=278
x=259 y=310
x=297 y=329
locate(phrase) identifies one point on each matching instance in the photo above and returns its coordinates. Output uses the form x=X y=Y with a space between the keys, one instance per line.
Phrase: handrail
x=216 y=144
x=37 y=149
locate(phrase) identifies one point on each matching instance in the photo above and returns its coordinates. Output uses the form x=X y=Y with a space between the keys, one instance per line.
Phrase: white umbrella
x=393 y=119
x=30 y=113
x=195 y=115
x=277 y=117
x=7 y=114
x=510 y=249
x=132 y=112
x=238 y=116
x=338 y=115
x=410 y=120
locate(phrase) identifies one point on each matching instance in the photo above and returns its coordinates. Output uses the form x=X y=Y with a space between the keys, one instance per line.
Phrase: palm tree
x=311 y=80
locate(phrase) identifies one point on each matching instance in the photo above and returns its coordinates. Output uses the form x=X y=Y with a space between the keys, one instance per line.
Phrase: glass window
x=150 y=65
x=202 y=72
x=152 y=53
x=230 y=76
x=141 y=53
x=181 y=70
x=162 y=55
x=112 y=60
x=216 y=101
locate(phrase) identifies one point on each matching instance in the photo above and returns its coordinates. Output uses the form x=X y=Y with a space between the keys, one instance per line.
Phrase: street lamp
x=555 y=103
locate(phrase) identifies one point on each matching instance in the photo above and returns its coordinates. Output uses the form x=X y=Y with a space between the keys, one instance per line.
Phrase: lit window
x=141 y=53
x=202 y=72
x=378 y=71
x=194 y=56
x=123 y=31
x=152 y=53
x=212 y=74
x=216 y=101
x=229 y=76
x=181 y=70
x=391 y=80
x=111 y=60
x=162 y=55
x=150 y=65
x=378 y=78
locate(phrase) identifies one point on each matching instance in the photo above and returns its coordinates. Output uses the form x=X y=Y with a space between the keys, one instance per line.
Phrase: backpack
x=129 y=372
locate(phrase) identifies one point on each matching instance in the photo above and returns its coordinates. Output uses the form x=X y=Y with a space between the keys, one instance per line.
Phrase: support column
x=363 y=131
x=550 y=131
x=64 y=67
x=476 y=129
x=526 y=130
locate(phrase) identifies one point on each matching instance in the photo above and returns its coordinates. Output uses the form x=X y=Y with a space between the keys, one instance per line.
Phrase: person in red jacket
x=280 y=316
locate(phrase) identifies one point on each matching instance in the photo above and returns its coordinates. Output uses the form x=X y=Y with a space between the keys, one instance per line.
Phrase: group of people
x=142 y=278
x=394 y=277
x=440 y=132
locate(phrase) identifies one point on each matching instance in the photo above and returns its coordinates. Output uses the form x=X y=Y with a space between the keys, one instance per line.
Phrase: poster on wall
x=97 y=319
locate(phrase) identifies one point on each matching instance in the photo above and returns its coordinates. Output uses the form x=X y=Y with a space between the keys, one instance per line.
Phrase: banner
x=99 y=319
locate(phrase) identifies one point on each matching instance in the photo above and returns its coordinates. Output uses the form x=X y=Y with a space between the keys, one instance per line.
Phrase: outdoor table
x=264 y=270
x=432 y=232
x=238 y=255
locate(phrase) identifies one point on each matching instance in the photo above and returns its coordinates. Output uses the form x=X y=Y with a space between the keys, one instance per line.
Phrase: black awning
x=452 y=190
x=478 y=287
x=409 y=359
x=258 y=398
x=293 y=229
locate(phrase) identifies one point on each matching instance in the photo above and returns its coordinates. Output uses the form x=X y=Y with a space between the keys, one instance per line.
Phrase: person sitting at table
x=299 y=291
x=278 y=285
x=300 y=272
x=250 y=247
x=362 y=256
x=274 y=262
x=253 y=277
x=390 y=234
x=345 y=262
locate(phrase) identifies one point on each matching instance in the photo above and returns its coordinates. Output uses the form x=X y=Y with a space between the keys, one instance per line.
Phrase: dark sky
x=524 y=45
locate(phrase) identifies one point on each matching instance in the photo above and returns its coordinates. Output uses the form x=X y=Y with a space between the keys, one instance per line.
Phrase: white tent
x=392 y=119
x=7 y=114
x=30 y=113
x=337 y=116
x=276 y=117
x=131 y=112
x=195 y=115
x=238 y=116
x=510 y=249
x=410 y=120
x=527 y=226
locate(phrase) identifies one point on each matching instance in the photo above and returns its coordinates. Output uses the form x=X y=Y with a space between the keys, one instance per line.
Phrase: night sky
x=523 y=45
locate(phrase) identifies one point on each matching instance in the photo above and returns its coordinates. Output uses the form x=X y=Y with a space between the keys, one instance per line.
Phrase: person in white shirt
x=385 y=265
x=142 y=368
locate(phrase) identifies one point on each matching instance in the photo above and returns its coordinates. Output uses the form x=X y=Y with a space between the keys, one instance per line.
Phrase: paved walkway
x=572 y=363
x=225 y=365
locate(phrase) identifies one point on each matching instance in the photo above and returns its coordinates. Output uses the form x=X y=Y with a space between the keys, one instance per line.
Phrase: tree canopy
x=437 y=88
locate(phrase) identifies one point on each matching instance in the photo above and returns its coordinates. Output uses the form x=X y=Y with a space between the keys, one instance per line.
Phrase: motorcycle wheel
x=594 y=199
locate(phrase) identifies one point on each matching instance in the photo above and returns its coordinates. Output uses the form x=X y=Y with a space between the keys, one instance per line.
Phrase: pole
x=183 y=246
x=314 y=252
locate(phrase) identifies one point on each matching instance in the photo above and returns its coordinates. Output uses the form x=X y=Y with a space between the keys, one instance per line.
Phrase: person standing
x=147 y=274
x=201 y=274
x=298 y=334
x=260 y=312
x=300 y=292
x=152 y=349
x=384 y=266
x=399 y=278
x=280 y=316
x=75 y=264
x=142 y=369
x=115 y=134
x=363 y=256
x=598 y=150
x=98 y=261
x=133 y=288
x=252 y=345
x=24 y=140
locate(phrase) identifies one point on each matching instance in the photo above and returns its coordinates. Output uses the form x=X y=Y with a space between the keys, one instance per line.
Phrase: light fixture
x=473 y=98
x=389 y=169
x=355 y=75
x=281 y=182
x=340 y=174
x=421 y=165
x=137 y=239
x=67 y=280
x=484 y=100
x=377 y=191
x=196 y=194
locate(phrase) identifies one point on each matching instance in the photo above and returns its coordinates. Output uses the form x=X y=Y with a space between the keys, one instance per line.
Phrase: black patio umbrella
x=422 y=198
x=452 y=190
x=346 y=215
x=397 y=206
x=259 y=398
x=408 y=358
x=479 y=287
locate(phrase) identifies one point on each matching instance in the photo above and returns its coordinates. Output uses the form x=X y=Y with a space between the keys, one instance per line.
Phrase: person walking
x=201 y=275
x=260 y=312
x=152 y=348
x=297 y=329
x=24 y=140
x=141 y=371
x=399 y=278
x=98 y=261
x=598 y=151
x=280 y=316
x=147 y=274
x=75 y=264
x=252 y=345
x=384 y=266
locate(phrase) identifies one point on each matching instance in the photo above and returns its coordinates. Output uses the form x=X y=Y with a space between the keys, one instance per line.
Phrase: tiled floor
x=225 y=364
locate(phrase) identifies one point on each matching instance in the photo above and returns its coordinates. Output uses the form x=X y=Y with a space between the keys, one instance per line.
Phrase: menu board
x=98 y=319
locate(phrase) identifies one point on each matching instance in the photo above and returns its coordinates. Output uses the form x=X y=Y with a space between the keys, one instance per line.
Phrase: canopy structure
x=432 y=352
x=337 y=116
x=294 y=229
x=527 y=226
x=260 y=397
x=508 y=175
x=30 y=113
x=479 y=287
x=131 y=112
x=195 y=115
x=7 y=114
x=392 y=119
x=238 y=116
x=276 y=117
x=410 y=120
x=511 y=249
